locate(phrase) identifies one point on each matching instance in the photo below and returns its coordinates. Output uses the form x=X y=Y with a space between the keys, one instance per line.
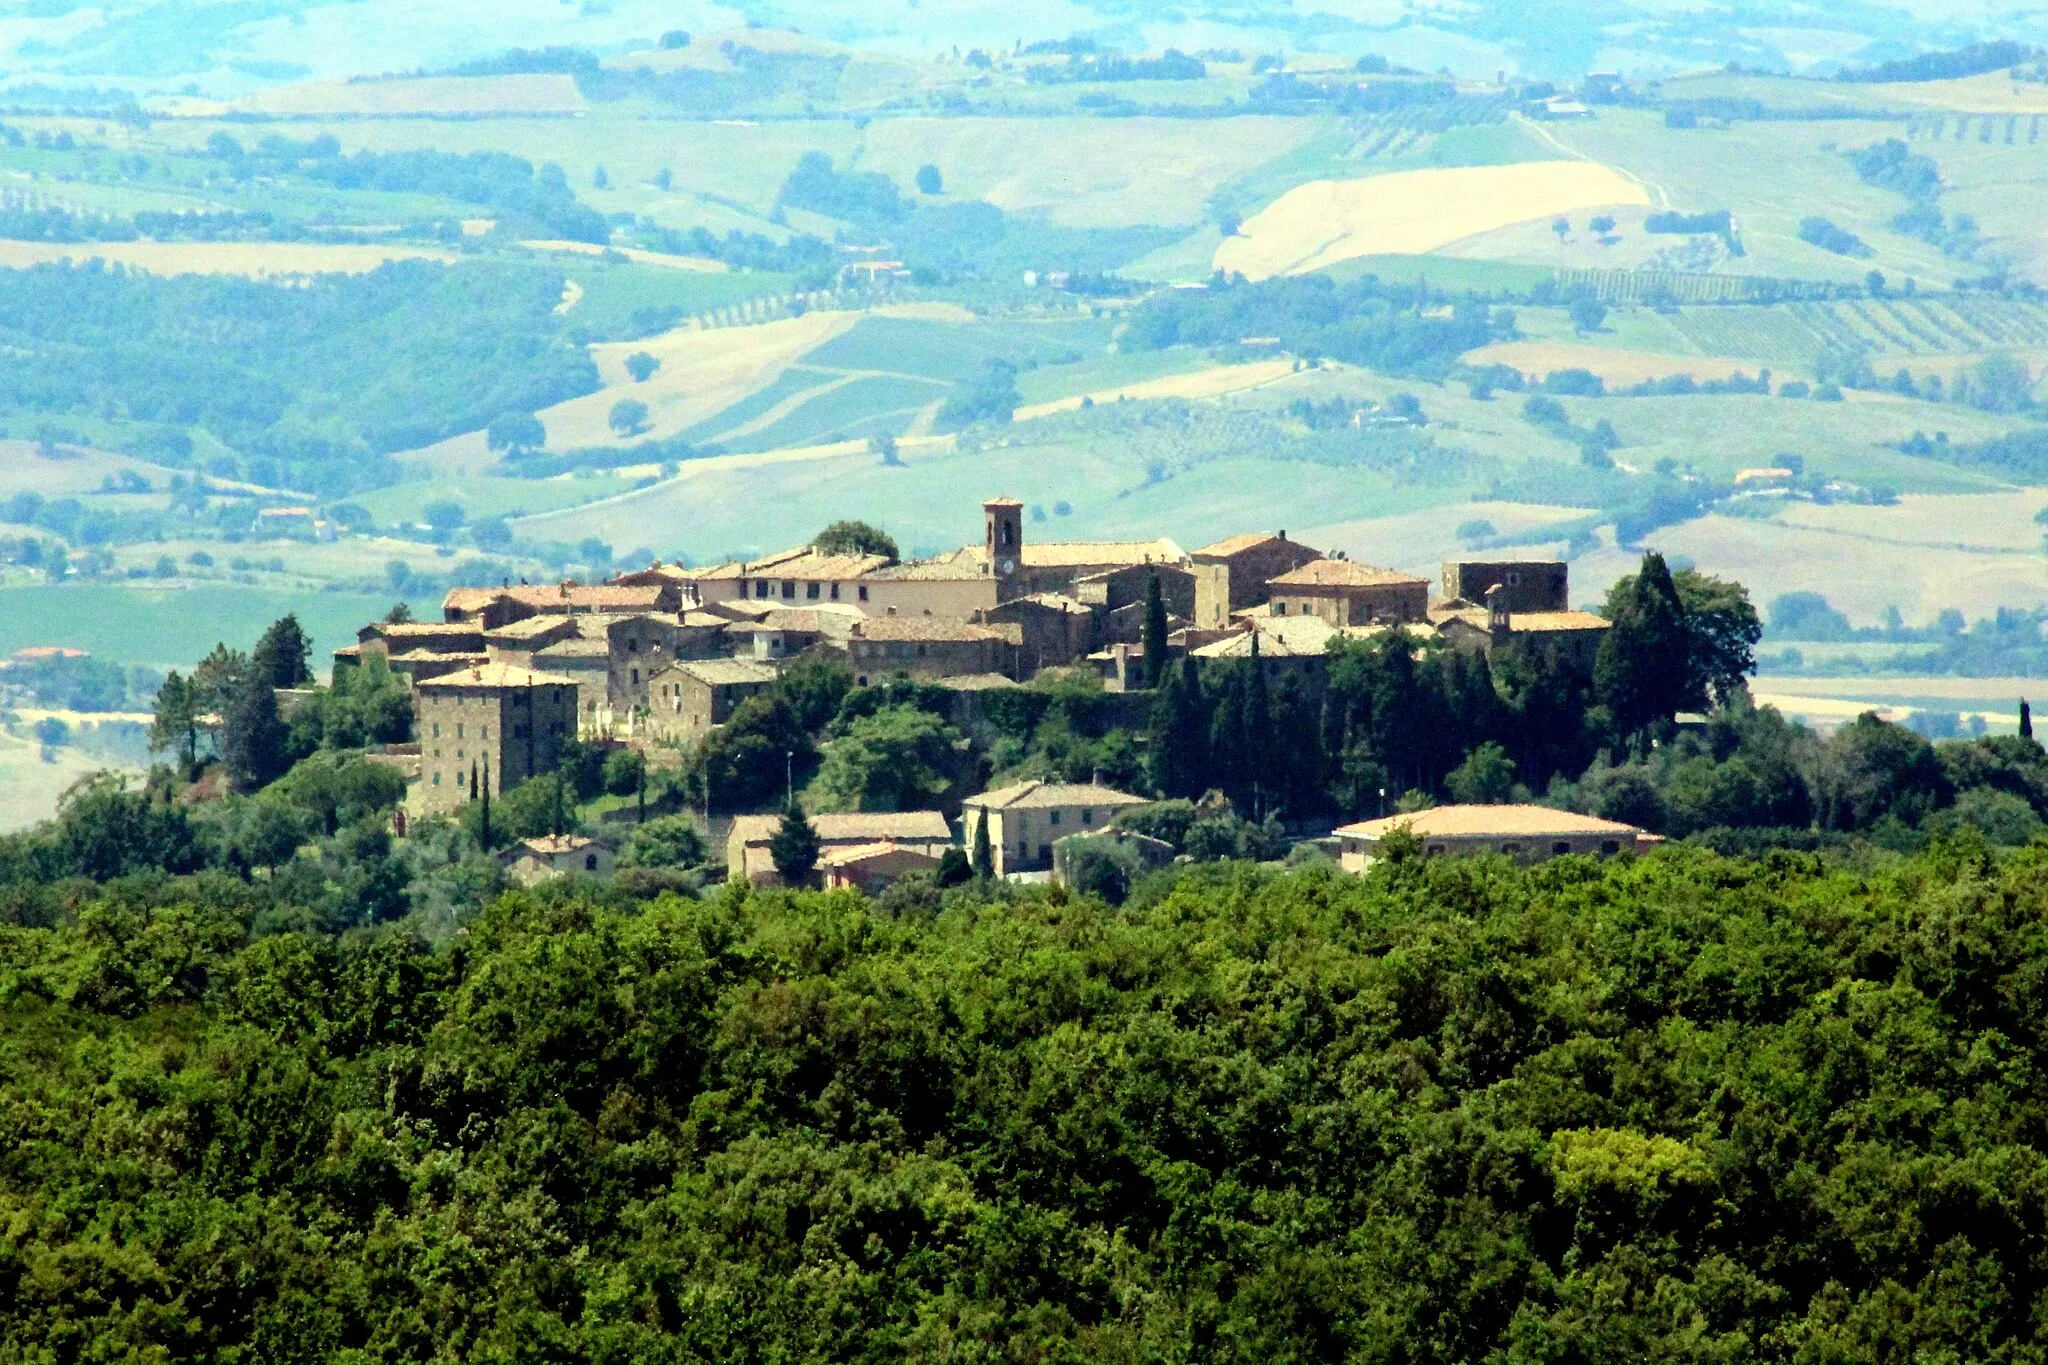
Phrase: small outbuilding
x=532 y=861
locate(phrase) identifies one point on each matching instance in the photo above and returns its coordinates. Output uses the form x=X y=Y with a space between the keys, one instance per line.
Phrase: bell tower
x=1005 y=543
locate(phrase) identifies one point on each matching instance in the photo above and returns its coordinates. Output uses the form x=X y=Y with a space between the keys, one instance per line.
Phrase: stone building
x=1528 y=584
x=1548 y=638
x=1524 y=833
x=1026 y=820
x=1232 y=574
x=494 y=718
x=687 y=699
x=1346 y=593
x=747 y=852
x=930 y=647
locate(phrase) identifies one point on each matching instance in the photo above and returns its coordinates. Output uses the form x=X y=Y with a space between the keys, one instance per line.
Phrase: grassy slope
x=174 y=628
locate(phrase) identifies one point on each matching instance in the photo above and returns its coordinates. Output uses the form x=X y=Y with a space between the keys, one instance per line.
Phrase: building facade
x=747 y=846
x=494 y=719
x=1527 y=834
x=1345 y=593
x=686 y=700
x=1025 y=821
x=1527 y=584
x=1232 y=574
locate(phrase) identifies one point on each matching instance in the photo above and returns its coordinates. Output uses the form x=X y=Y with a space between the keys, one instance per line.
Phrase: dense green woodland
x=1681 y=1109
x=312 y=382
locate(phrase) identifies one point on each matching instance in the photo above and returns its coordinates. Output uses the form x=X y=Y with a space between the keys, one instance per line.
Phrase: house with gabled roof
x=1232 y=574
x=1025 y=820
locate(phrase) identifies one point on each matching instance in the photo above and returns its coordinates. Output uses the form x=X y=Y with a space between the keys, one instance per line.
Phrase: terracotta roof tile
x=1040 y=795
x=909 y=826
x=724 y=672
x=491 y=675
x=1342 y=573
x=933 y=629
x=1508 y=822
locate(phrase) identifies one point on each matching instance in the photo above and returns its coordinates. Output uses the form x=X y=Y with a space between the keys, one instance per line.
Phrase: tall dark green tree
x=794 y=848
x=252 y=738
x=1722 y=628
x=2026 y=718
x=282 y=653
x=984 y=860
x=1179 y=758
x=1644 y=670
x=1155 y=632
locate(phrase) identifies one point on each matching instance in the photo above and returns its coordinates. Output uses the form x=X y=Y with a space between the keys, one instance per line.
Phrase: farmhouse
x=869 y=868
x=532 y=861
x=1525 y=833
x=1024 y=821
x=746 y=848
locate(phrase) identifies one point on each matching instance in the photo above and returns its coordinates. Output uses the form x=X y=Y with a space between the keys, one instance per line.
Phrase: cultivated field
x=1616 y=366
x=429 y=96
x=634 y=254
x=701 y=374
x=1215 y=382
x=1328 y=221
x=258 y=260
x=1102 y=173
x=1860 y=574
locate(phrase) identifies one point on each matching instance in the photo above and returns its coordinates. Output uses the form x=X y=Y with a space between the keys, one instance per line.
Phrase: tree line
x=1448 y=1111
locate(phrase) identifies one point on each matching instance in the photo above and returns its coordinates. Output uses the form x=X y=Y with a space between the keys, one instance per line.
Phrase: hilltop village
x=658 y=660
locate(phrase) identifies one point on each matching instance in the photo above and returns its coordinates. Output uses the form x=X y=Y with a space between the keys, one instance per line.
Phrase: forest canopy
x=1446 y=1112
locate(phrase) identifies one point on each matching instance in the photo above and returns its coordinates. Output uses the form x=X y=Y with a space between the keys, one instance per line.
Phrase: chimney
x=1498 y=621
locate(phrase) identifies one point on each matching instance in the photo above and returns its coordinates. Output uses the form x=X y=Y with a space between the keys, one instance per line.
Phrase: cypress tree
x=484 y=815
x=1155 y=632
x=984 y=860
x=794 y=847
x=1180 y=729
x=1259 y=757
x=2026 y=720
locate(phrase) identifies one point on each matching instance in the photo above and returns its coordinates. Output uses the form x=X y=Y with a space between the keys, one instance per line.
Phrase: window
x=1610 y=846
x=1435 y=850
x=835 y=592
x=486 y=733
x=1511 y=849
x=761 y=588
x=1087 y=816
x=811 y=592
x=1045 y=853
x=632 y=646
x=863 y=592
x=1053 y=818
x=590 y=862
x=1561 y=847
x=437 y=729
x=788 y=591
x=636 y=675
x=458 y=732
x=1279 y=608
x=437 y=779
x=1514 y=578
